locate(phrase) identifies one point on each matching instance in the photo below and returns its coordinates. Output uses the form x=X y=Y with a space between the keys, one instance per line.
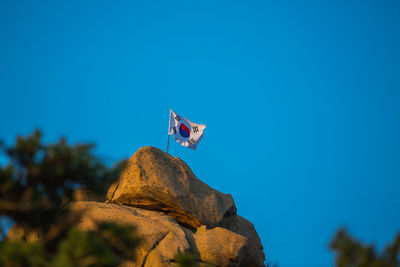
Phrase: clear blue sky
x=301 y=100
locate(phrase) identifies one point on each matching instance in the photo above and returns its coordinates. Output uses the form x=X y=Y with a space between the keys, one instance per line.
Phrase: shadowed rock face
x=154 y=180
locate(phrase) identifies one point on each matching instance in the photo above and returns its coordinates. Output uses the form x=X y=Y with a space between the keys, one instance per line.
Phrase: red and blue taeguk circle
x=184 y=131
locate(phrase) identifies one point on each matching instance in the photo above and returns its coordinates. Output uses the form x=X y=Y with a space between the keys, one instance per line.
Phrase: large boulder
x=241 y=226
x=220 y=246
x=254 y=248
x=154 y=180
x=162 y=238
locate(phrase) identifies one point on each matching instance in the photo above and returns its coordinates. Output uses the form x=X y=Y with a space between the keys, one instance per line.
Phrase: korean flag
x=185 y=132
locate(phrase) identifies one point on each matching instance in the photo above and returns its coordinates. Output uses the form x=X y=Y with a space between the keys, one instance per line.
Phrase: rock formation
x=154 y=180
x=174 y=212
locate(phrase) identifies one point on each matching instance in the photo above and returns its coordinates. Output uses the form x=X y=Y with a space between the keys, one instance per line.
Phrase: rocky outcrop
x=173 y=211
x=163 y=238
x=154 y=180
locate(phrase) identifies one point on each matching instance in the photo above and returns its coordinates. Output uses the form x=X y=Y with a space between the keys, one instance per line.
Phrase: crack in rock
x=153 y=248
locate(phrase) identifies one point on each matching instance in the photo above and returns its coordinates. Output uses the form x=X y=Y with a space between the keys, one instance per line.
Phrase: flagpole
x=168 y=128
x=168 y=144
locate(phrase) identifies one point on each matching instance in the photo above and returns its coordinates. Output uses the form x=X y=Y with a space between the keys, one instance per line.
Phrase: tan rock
x=157 y=181
x=220 y=246
x=254 y=245
x=254 y=250
x=163 y=238
x=240 y=225
x=166 y=202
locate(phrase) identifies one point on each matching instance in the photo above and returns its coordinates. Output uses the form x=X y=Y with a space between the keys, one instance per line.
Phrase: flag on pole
x=185 y=132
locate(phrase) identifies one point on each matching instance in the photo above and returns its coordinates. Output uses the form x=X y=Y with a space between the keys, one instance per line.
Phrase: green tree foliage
x=187 y=259
x=35 y=187
x=350 y=252
x=21 y=253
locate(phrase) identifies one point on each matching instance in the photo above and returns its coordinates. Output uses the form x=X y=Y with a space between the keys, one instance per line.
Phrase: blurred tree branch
x=350 y=252
x=36 y=185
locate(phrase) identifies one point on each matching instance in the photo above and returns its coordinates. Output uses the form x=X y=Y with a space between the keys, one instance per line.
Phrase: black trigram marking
x=174 y=129
x=191 y=141
x=177 y=118
x=195 y=129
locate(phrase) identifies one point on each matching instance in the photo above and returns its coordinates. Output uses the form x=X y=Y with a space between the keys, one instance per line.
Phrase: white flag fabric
x=185 y=132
